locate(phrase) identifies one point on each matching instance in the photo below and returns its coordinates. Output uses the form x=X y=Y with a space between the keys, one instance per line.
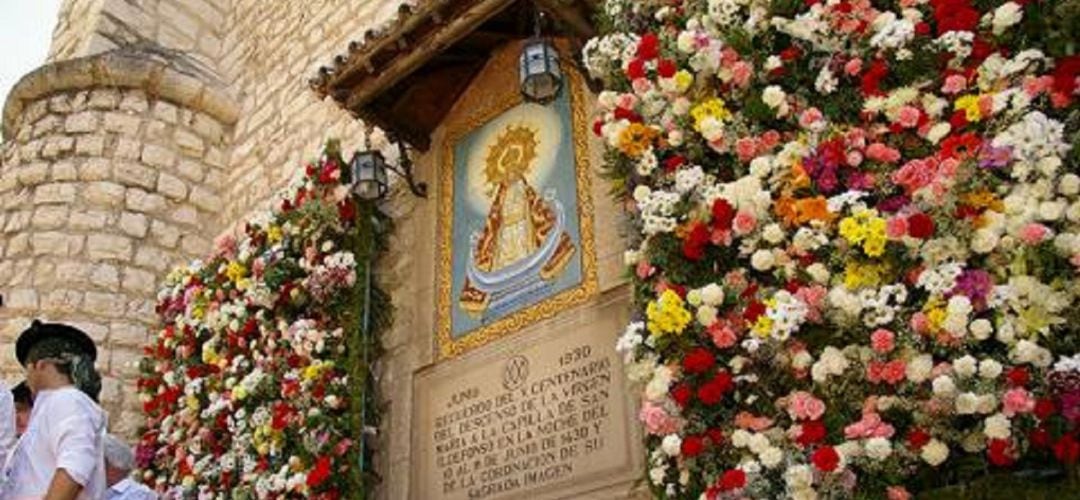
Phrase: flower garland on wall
x=858 y=239
x=250 y=386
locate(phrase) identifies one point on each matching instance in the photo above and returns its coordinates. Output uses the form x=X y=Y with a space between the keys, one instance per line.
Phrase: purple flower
x=992 y=157
x=976 y=284
x=894 y=204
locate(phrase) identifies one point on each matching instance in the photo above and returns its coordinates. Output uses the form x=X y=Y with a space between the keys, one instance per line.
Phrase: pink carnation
x=853 y=67
x=897 y=493
x=954 y=84
x=1034 y=233
x=1017 y=400
x=810 y=117
x=804 y=406
x=722 y=335
x=744 y=223
x=746 y=148
x=656 y=420
x=880 y=152
x=896 y=227
x=908 y=116
x=870 y=426
x=882 y=340
x=741 y=73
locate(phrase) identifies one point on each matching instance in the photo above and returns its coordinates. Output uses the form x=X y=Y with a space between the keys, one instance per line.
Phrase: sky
x=25 y=33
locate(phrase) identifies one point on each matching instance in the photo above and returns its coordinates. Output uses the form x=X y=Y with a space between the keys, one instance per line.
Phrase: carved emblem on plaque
x=515 y=372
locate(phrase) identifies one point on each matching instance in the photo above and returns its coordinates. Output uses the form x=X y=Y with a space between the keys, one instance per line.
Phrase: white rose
x=967 y=403
x=771 y=457
x=799 y=476
x=935 y=452
x=965 y=366
x=918 y=370
x=938 y=131
x=801 y=360
x=740 y=438
x=997 y=426
x=1051 y=210
x=631 y=257
x=987 y=403
x=878 y=448
x=758 y=443
x=656 y=474
x=1069 y=185
x=984 y=241
x=706 y=315
x=1005 y=16
x=641 y=193
x=981 y=328
x=989 y=369
x=761 y=166
x=819 y=273
x=773 y=233
x=944 y=386
x=773 y=96
x=762 y=260
x=712 y=294
x=672 y=445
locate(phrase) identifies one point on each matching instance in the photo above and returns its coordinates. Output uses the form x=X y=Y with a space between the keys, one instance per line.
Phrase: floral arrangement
x=249 y=388
x=857 y=240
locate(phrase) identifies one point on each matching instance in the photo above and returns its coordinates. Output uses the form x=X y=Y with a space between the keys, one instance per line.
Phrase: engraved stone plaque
x=544 y=414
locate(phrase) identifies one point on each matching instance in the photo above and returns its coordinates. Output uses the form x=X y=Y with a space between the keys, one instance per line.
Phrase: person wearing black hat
x=61 y=454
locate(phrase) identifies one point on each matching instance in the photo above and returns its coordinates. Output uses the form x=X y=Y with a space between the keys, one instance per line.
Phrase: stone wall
x=87 y=27
x=110 y=175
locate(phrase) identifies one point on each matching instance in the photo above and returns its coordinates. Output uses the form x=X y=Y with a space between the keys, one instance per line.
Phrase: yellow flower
x=239 y=393
x=970 y=105
x=635 y=139
x=936 y=316
x=858 y=275
x=312 y=371
x=235 y=271
x=683 y=80
x=274 y=234
x=209 y=355
x=712 y=108
x=763 y=326
x=667 y=314
x=192 y=403
x=865 y=228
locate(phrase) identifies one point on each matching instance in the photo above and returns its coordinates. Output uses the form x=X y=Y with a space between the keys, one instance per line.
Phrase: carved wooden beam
x=456 y=27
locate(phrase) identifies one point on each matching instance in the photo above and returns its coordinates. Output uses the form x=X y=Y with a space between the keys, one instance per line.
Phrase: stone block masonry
x=97 y=200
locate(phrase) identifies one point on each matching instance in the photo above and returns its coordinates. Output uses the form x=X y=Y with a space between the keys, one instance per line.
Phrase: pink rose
x=854 y=158
x=746 y=148
x=897 y=493
x=656 y=420
x=722 y=335
x=1034 y=233
x=1017 y=400
x=908 y=116
x=882 y=340
x=744 y=223
x=880 y=152
x=920 y=323
x=810 y=118
x=805 y=406
x=741 y=73
x=644 y=270
x=896 y=227
x=641 y=86
x=853 y=67
x=626 y=101
x=954 y=84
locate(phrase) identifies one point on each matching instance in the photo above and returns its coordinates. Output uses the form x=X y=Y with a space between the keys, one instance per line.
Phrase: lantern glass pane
x=541 y=77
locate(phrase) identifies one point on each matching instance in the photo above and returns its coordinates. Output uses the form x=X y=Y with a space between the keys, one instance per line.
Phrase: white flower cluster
x=1033 y=140
x=880 y=306
x=657 y=208
x=609 y=53
x=787 y=315
x=891 y=32
x=939 y=280
x=832 y=362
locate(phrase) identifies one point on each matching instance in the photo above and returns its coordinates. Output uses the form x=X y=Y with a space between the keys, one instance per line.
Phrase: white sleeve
x=77 y=442
x=7 y=422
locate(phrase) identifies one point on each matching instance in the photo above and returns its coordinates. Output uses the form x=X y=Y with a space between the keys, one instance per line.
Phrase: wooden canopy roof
x=406 y=77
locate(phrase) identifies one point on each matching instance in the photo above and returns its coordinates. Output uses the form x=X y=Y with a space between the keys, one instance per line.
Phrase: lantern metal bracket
x=404 y=169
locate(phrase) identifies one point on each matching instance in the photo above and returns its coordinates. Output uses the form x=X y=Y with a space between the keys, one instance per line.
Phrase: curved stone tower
x=111 y=172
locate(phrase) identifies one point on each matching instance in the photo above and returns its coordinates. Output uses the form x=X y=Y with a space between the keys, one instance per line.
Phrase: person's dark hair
x=65 y=356
x=21 y=394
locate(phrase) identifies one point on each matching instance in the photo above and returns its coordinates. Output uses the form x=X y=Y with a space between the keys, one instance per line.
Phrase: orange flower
x=785 y=210
x=799 y=178
x=635 y=139
x=811 y=209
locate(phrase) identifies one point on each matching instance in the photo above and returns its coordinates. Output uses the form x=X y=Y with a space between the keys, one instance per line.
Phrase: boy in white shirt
x=60 y=456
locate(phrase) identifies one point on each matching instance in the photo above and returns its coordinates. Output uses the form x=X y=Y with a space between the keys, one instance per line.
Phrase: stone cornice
x=165 y=75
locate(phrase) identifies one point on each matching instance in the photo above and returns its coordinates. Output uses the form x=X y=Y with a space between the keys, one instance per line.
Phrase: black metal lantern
x=368 y=170
x=541 y=77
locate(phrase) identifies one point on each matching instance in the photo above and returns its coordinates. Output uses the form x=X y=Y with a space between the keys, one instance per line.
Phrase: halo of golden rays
x=512 y=155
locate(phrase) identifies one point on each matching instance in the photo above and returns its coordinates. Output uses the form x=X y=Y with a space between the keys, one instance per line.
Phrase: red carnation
x=920 y=226
x=754 y=311
x=681 y=394
x=694 y=244
x=871 y=80
x=790 y=54
x=1045 y=408
x=1000 y=452
x=917 y=438
x=692 y=446
x=636 y=69
x=598 y=127
x=666 y=68
x=1067 y=449
x=1039 y=437
x=712 y=392
x=1018 y=376
x=723 y=214
x=732 y=480
x=698 y=360
x=649 y=46
x=716 y=436
x=826 y=459
x=812 y=432
x=673 y=163
x=1066 y=70
x=320 y=473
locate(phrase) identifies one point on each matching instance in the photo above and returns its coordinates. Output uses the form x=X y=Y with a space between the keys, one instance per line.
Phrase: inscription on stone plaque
x=548 y=416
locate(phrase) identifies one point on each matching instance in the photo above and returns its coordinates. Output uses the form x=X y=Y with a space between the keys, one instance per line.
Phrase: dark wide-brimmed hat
x=79 y=342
